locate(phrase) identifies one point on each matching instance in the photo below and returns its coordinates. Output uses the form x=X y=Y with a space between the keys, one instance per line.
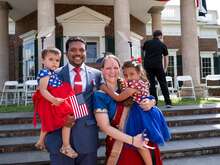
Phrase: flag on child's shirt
x=78 y=105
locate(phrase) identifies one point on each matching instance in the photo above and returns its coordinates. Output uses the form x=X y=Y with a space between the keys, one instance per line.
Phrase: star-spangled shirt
x=54 y=80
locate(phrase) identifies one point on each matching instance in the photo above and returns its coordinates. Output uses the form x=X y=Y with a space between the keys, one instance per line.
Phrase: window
x=28 y=56
x=28 y=60
x=207 y=66
x=172 y=66
x=136 y=44
x=91 y=54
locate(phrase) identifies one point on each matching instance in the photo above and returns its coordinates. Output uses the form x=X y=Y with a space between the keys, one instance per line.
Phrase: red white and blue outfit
x=52 y=117
x=152 y=121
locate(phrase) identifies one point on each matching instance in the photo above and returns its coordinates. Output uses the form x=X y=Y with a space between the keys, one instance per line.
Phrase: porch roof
x=138 y=8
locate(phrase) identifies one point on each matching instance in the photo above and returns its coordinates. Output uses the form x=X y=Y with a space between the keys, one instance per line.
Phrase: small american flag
x=79 y=107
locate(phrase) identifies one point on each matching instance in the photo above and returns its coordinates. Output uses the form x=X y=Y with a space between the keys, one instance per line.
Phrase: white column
x=122 y=29
x=156 y=17
x=189 y=40
x=46 y=24
x=102 y=45
x=4 y=43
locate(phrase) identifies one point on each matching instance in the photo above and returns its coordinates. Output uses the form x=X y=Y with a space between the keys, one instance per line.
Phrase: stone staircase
x=195 y=135
x=195 y=138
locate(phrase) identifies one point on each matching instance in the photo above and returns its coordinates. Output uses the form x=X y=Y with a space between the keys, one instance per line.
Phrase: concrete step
x=195 y=131
x=192 y=119
x=25 y=158
x=26 y=143
x=26 y=117
x=195 y=160
x=17 y=144
x=12 y=130
x=16 y=118
x=192 y=147
x=191 y=110
x=37 y=158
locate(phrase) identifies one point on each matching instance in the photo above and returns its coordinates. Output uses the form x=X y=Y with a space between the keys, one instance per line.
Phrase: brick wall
x=174 y=42
x=206 y=44
x=26 y=24
x=14 y=43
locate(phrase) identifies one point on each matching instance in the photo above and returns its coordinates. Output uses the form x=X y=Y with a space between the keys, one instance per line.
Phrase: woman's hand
x=139 y=142
x=147 y=104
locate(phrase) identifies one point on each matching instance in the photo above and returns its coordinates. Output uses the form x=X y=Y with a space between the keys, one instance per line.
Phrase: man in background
x=155 y=63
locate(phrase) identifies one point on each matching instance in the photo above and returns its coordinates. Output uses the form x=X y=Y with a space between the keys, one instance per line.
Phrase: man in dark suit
x=84 y=134
x=156 y=51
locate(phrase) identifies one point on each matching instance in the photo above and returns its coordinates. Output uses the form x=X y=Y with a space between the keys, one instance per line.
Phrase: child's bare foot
x=40 y=146
x=68 y=151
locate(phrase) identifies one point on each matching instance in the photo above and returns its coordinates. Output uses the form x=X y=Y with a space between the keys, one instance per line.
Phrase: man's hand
x=70 y=121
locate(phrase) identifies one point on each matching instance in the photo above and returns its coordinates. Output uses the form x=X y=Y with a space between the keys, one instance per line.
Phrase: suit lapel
x=88 y=77
x=65 y=73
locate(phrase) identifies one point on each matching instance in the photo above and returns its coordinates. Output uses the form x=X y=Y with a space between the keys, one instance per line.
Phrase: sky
x=211 y=5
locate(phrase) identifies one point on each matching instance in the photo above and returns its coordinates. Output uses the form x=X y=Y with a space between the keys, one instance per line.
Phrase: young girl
x=49 y=101
x=151 y=122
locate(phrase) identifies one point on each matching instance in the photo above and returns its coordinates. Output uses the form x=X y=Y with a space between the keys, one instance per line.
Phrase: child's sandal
x=68 y=151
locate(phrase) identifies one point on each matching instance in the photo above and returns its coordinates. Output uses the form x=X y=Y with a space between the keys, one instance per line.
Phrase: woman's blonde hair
x=108 y=57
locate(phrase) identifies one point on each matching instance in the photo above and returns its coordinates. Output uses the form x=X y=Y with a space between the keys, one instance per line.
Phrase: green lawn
x=192 y=101
x=16 y=108
x=176 y=102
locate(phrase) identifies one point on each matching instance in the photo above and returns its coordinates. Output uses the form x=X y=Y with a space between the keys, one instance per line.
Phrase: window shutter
x=179 y=65
x=20 y=61
x=217 y=64
x=36 y=56
x=109 y=44
x=59 y=45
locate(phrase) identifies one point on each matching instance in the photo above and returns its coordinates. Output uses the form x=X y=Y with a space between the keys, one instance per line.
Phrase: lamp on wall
x=130 y=45
x=44 y=33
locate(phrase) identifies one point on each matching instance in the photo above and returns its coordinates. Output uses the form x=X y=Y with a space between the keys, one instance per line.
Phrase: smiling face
x=131 y=73
x=76 y=53
x=110 y=71
x=51 y=61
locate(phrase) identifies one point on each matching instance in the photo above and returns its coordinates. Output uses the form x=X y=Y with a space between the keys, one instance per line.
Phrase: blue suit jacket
x=84 y=134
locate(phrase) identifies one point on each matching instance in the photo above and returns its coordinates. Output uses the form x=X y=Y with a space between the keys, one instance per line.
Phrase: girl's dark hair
x=108 y=57
x=74 y=39
x=50 y=50
x=138 y=67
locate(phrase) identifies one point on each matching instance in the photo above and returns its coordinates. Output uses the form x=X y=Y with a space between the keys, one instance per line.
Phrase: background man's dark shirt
x=154 y=50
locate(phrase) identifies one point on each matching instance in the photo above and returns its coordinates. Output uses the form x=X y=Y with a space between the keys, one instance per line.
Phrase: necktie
x=77 y=81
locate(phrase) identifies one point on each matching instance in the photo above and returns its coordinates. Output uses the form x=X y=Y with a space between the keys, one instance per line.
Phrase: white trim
x=28 y=36
x=172 y=52
x=207 y=54
x=135 y=35
x=87 y=23
x=67 y=17
x=136 y=44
